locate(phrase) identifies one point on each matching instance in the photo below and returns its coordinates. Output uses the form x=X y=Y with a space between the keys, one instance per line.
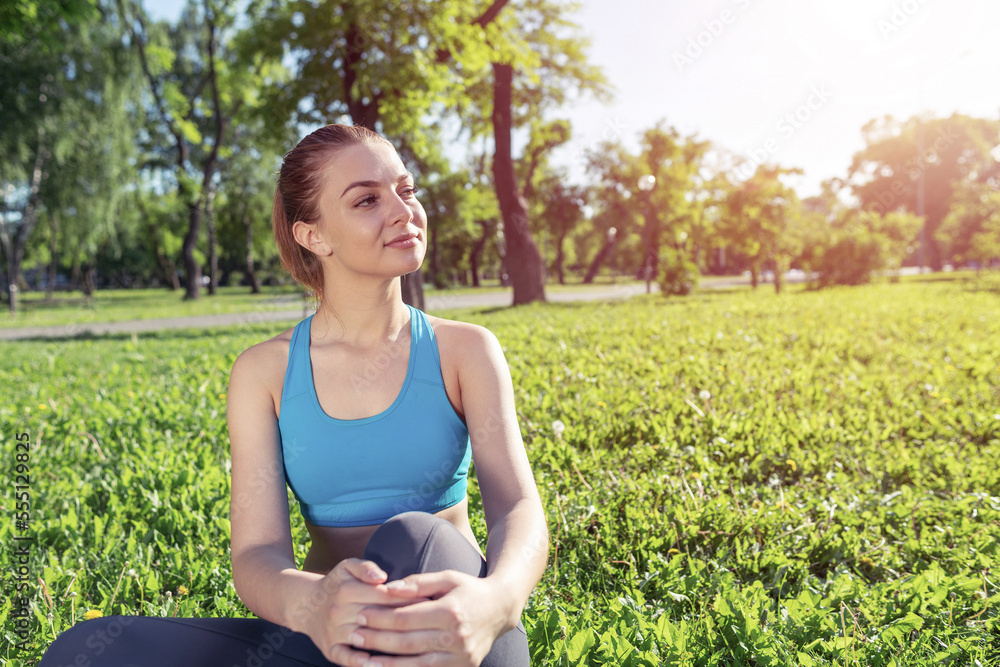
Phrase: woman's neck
x=363 y=315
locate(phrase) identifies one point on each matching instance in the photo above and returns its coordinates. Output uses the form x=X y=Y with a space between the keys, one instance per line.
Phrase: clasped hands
x=433 y=618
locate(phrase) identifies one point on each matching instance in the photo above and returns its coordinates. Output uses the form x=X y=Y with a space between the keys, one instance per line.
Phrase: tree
x=673 y=163
x=919 y=164
x=843 y=245
x=562 y=210
x=384 y=64
x=547 y=47
x=246 y=195
x=198 y=85
x=64 y=100
x=971 y=231
x=761 y=216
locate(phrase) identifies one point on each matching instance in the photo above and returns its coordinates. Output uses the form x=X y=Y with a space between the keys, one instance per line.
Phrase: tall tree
x=762 y=222
x=543 y=43
x=385 y=64
x=918 y=164
x=562 y=210
x=198 y=83
x=399 y=67
x=971 y=230
x=671 y=164
x=64 y=98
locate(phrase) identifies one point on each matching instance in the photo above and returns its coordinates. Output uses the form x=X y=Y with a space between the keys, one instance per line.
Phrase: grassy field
x=117 y=305
x=742 y=479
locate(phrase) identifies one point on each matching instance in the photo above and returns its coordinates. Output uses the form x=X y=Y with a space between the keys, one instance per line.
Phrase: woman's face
x=369 y=214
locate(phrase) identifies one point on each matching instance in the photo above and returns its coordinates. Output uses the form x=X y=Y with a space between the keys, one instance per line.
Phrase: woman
x=365 y=410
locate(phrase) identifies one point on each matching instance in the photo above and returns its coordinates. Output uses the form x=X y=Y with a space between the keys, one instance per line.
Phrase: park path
x=276 y=310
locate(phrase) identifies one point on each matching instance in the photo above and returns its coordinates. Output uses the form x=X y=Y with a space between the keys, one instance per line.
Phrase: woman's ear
x=307 y=235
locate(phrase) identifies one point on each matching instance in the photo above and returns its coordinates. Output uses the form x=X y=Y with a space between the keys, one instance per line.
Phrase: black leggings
x=406 y=544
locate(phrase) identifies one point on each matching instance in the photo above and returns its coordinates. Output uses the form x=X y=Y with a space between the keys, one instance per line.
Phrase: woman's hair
x=296 y=197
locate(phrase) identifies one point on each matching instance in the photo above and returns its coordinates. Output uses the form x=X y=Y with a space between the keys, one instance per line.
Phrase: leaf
x=579 y=645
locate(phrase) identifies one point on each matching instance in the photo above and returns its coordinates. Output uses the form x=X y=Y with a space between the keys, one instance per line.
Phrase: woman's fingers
x=429 y=615
x=427 y=584
x=342 y=654
x=358 y=569
x=403 y=643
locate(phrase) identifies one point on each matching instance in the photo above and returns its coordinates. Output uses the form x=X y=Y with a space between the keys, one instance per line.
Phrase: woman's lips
x=404 y=242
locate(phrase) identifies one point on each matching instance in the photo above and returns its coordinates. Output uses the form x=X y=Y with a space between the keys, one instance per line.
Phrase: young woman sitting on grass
x=371 y=411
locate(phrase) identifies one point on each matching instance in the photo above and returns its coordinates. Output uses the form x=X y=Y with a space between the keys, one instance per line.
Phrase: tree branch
x=140 y=45
x=490 y=13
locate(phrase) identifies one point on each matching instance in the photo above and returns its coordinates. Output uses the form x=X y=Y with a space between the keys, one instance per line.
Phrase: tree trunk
x=412 y=287
x=251 y=271
x=14 y=249
x=559 y=258
x=477 y=251
x=213 y=253
x=88 y=272
x=192 y=270
x=527 y=269
x=50 y=283
x=436 y=261
x=602 y=254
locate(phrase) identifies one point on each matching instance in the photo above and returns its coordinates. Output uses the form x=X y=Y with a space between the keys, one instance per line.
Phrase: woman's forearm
x=274 y=589
x=517 y=552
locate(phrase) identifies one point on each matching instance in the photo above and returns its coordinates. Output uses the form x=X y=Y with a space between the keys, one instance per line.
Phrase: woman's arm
x=469 y=613
x=264 y=571
x=518 y=540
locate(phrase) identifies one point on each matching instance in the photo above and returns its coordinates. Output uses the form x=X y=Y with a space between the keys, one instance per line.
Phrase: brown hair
x=296 y=197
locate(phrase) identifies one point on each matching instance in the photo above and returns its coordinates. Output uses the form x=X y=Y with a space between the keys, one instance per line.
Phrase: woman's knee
x=87 y=641
x=414 y=542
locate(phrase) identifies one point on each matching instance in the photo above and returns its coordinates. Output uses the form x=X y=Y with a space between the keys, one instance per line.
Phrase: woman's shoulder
x=465 y=341
x=264 y=362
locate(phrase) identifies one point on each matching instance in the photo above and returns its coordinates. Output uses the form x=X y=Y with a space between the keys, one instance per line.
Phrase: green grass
x=743 y=479
x=117 y=305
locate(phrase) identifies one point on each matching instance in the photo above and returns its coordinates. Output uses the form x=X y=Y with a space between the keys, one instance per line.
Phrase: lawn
x=732 y=478
x=117 y=305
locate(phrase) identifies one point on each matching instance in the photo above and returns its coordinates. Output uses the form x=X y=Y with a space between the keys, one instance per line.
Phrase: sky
x=790 y=82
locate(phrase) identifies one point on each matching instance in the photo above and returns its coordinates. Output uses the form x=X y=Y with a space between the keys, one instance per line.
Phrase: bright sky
x=733 y=70
x=789 y=81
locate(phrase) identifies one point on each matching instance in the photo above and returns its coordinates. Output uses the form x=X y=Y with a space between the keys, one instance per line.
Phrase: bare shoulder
x=262 y=366
x=463 y=341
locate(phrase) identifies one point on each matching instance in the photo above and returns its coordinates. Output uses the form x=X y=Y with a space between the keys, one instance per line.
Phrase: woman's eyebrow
x=373 y=184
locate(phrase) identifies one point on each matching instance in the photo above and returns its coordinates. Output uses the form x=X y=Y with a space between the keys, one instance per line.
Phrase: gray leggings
x=406 y=544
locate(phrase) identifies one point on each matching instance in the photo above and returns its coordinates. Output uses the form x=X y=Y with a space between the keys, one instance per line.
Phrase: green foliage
x=678 y=273
x=971 y=231
x=743 y=479
x=762 y=221
x=944 y=153
x=675 y=162
x=857 y=248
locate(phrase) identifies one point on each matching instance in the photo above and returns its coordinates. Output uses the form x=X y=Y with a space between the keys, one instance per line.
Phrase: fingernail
x=373 y=663
x=362 y=620
x=356 y=639
x=399 y=583
x=376 y=574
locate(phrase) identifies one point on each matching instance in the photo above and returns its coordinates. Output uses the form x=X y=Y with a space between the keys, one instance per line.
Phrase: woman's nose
x=401 y=210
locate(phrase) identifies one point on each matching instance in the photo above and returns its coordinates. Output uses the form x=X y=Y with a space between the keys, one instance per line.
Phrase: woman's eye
x=411 y=191
x=367 y=201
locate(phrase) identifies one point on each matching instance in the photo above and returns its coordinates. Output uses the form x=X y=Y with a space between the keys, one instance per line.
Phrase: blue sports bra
x=414 y=455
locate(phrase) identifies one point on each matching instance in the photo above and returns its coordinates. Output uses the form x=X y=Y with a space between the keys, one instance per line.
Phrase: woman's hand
x=456 y=626
x=330 y=614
